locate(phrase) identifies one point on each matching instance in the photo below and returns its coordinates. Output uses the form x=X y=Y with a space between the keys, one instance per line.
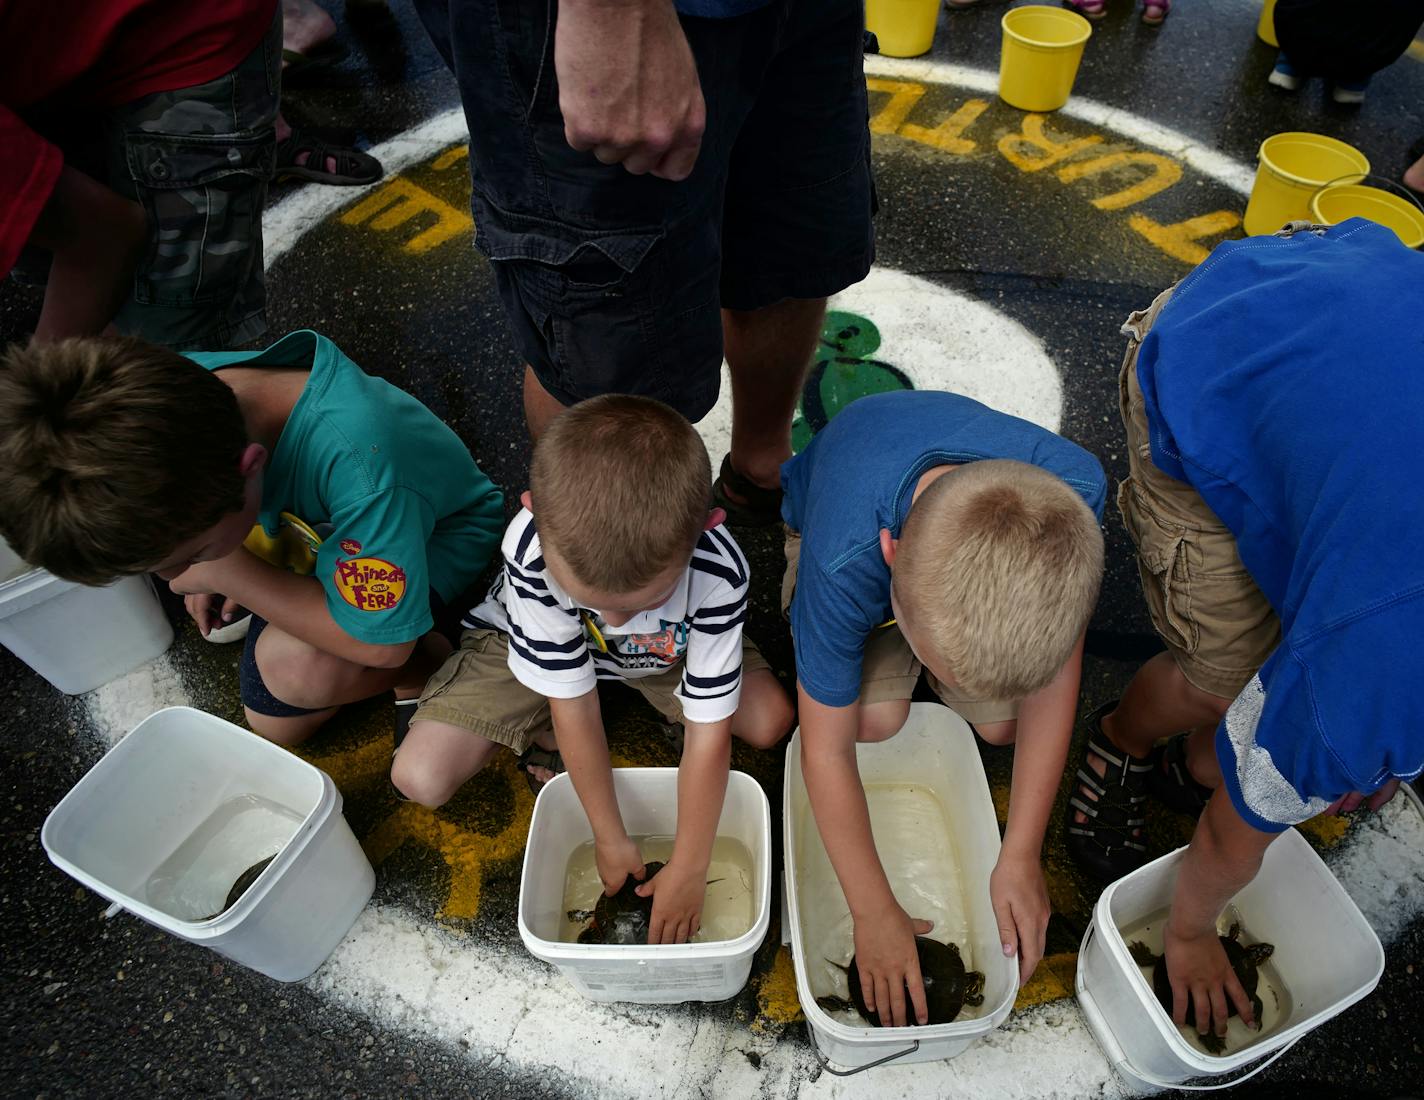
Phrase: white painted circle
x=942 y=340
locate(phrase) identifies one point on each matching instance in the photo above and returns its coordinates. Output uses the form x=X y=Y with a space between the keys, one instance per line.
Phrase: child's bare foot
x=541 y=761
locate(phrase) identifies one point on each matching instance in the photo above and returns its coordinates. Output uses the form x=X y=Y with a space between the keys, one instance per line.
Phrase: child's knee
x=422 y=779
x=287 y=730
x=768 y=718
x=298 y=674
x=998 y=733
x=882 y=721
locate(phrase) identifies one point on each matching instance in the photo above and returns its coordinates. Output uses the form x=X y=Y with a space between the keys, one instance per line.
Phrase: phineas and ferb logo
x=369 y=584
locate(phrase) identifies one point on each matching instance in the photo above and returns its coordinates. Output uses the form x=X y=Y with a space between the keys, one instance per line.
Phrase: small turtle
x=623 y=918
x=948 y=986
x=1244 y=961
x=241 y=886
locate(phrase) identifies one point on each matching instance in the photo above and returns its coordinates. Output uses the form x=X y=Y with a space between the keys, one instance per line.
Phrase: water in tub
x=728 y=908
x=918 y=851
x=193 y=883
x=1275 y=997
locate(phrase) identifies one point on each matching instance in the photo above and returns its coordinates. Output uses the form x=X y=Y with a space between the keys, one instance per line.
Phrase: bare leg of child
x=436 y=759
x=764 y=715
x=304 y=676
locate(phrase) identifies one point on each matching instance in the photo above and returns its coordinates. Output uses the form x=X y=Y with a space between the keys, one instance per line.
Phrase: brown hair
x=113 y=453
x=621 y=487
x=997 y=571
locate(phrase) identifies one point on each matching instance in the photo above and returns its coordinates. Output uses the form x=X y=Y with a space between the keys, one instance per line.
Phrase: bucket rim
x=1071 y=18
x=194 y=931
x=1377 y=194
x=1209 y=1065
x=559 y=953
x=1335 y=144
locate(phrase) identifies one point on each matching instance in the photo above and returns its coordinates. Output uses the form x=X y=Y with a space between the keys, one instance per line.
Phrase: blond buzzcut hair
x=997 y=572
x=621 y=488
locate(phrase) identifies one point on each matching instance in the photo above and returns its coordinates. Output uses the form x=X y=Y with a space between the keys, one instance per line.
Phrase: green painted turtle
x=1244 y=960
x=623 y=918
x=948 y=986
x=241 y=886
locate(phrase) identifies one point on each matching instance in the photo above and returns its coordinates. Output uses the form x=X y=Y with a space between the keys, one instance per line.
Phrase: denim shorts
x=198 y=160
x=613 y=282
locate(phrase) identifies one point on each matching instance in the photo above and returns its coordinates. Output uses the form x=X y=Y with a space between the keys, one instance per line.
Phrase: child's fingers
x=1179 y=1002
x=1008 y=931
x=1201 y=1002
x=1237 y=992
x=1383 y=795
x=1218 y=1010
x=229 y=609
x=897 y=1001
x=916 y=985
x=922 y=927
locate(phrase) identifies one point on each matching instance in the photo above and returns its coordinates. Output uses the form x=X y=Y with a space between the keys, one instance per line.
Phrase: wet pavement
x=1011 y=248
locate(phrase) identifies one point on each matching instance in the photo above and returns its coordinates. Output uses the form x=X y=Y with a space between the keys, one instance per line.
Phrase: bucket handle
x=826 y=1062
x=1118 y=1056
x=1360 y=177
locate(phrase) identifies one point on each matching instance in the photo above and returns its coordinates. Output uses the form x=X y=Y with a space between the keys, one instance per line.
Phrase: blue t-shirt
x=1284 y=380
x=858 y=475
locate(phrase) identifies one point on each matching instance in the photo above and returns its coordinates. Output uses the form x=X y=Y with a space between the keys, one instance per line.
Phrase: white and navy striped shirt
x=700 y=625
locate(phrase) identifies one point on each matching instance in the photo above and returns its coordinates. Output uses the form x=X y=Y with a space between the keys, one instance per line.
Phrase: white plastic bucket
x=123 y=820
x=1326 y=952
x=78 y=638
x=665 y=974
x=937 y=749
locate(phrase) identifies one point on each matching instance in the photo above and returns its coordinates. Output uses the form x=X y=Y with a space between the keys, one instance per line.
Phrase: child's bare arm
x=1020 y=898
x=884 y=932
x=578 y=726
x=679 y=888
x=293 y=604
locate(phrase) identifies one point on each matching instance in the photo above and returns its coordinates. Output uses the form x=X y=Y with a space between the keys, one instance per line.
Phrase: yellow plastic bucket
x=1040 y=55
x=1291 y=168
x=905 y=28
x=1331 y=205
x=1266 y=25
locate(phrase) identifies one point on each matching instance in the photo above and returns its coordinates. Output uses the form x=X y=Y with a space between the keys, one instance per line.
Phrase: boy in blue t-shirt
x=330 y=504
x=927 y=530
x=1273 y=403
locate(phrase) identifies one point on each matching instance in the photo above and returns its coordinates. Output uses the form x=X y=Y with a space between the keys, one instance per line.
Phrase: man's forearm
x=578 y=726
x=701 y=788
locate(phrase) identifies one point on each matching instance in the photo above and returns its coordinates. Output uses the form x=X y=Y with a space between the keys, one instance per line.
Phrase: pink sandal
x=1154 y=12
x=1092 y=9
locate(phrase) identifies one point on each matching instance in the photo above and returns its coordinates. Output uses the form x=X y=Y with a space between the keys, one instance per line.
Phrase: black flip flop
x=535 y=756
x=353 y=167
x=1170 y=782
x=758 y=506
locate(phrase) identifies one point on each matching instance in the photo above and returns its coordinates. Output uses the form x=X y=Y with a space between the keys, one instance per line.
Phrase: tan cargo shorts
x=475 y=690
x=890 y=669
x=1213 y=619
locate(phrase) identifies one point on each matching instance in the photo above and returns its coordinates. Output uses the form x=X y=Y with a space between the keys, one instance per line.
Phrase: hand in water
x=889 y=965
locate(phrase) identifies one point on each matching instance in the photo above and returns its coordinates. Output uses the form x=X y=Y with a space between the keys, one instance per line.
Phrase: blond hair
x=997 y=572
x=113 y=453
x=621 y=488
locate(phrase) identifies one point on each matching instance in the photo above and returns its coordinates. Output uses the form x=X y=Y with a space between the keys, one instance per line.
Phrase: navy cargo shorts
x=613 y=283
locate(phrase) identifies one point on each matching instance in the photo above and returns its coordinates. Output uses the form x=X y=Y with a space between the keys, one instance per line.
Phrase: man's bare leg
x=768 y=351
x=540 y=406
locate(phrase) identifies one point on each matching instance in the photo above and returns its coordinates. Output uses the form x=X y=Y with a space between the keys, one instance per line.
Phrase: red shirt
x=86 y=54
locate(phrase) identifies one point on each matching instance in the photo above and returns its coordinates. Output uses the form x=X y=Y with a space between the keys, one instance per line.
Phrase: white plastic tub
x=1327 y=954
x=78 y=638
x=125 y=820
x=935 y=749
x=665 y=974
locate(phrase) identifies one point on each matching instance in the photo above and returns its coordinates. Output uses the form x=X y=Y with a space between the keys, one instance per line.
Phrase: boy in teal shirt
x=332 y=505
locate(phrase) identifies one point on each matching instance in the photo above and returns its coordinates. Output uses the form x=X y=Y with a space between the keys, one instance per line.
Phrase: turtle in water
x=1244 y=961
x=623 y=918
x=241 y=886
x=948 y=985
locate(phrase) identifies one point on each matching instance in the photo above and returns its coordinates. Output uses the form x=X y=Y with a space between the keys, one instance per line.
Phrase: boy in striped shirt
x=617 y=568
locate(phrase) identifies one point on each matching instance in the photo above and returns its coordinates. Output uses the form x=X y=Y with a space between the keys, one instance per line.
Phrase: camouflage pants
x=199 y=159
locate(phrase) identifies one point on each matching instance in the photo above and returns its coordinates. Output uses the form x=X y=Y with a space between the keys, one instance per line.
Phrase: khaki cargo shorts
x=890 y=669
x=1213 y=619
x=475 y=690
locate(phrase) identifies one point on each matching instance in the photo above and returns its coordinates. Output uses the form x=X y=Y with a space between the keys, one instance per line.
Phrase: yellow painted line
x=1416 y=49
x=1052 y=981
x=778 y=1007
